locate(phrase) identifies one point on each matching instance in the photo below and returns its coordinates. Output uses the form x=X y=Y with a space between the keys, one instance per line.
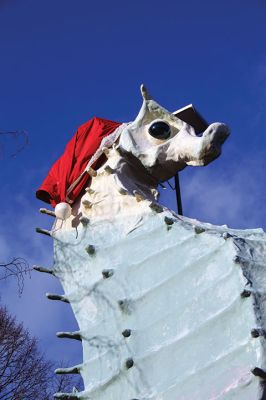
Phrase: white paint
x=62 y=211
x=162 y=157
x=176 y=287
x=190 y=327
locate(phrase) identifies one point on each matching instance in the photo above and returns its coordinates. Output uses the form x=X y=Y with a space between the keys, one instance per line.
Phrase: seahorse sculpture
x=168 y=308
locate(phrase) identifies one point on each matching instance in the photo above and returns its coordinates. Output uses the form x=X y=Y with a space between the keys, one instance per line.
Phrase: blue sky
x=63 y=62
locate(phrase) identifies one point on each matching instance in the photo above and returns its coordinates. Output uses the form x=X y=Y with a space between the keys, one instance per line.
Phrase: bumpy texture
x=165 y=307
x=168 y=308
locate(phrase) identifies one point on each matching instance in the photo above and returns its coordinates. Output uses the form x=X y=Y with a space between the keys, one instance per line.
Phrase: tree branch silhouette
x=18 y=268
x=20 y=138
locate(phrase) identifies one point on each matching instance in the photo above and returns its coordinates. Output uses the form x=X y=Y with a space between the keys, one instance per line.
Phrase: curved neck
x=121 y=183
x=122 y=187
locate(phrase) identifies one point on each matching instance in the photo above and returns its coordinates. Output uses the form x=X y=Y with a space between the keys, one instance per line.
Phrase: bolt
x=84 y=220
x=90 y=250
x=126 y=333
x=199 y=229
x=168 y=221
x=107 y=273
x=246 y=293
x=129 y=363
x=156 y=207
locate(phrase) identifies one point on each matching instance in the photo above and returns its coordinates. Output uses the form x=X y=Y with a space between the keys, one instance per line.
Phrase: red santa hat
x=68 y=175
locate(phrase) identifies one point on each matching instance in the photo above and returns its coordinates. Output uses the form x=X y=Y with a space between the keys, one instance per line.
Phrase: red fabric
x=72 y=163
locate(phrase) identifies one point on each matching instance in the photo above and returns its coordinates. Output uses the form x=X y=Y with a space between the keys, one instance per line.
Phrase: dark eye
x=160 y=130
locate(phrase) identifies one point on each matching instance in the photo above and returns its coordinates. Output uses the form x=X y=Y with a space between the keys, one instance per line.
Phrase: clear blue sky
x=62 y=62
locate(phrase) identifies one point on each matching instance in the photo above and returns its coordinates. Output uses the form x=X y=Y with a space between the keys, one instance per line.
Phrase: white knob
x=63 y=211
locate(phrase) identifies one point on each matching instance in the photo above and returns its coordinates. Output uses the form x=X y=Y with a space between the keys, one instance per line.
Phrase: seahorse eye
x=160 y=130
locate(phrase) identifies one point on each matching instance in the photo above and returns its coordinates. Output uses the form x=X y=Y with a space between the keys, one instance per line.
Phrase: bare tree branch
x=24 y=371
x=18 y=267
x=20 y=141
